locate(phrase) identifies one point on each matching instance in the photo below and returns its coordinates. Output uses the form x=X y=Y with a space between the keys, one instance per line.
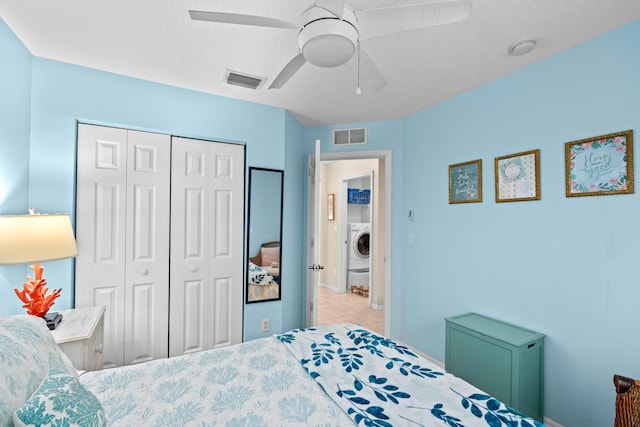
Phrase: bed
x=264 y=273
x=335 y=375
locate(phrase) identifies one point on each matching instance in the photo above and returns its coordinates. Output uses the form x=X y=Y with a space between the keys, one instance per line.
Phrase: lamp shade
x=36 y=238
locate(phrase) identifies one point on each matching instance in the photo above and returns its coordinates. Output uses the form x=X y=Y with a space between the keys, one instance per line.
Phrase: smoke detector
x=522 y=47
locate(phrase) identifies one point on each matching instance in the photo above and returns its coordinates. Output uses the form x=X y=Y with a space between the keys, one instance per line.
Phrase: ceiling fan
x=330 y=32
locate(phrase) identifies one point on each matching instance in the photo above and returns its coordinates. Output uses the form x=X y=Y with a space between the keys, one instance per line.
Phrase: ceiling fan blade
x=334 y=6
x=236 y=18
x=379 y=22
x=369 y=73
x=288 y=71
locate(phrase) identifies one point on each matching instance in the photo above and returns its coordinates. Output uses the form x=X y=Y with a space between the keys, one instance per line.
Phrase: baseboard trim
x=548 y=422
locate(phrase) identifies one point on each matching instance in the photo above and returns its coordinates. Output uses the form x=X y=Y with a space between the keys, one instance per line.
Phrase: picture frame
x=517 y=177
x=600 y=166
x=331 y=205
x=465 y=182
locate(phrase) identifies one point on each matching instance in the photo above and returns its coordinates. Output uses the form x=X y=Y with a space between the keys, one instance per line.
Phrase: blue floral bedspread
x=254 y=384
x=378 y=382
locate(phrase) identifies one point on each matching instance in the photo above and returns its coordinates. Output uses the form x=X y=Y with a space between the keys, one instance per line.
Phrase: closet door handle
x=144 y=271
x=194 y=269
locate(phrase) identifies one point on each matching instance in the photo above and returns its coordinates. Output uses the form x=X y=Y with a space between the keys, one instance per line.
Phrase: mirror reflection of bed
x=264 y=272
x=265 y=234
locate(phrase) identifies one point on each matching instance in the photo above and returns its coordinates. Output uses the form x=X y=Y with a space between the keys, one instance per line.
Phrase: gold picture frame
x=331 y=206
x=518 y=177
x=600 y=166
x=465 y=182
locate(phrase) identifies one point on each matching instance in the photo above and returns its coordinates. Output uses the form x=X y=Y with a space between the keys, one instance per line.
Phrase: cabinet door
x=207 y=203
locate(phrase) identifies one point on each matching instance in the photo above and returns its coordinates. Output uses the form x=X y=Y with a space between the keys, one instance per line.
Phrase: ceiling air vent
x=244 y=80
x=349 y=136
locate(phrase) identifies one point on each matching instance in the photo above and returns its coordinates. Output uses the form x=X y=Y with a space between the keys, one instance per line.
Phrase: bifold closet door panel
x=207 y=204
x=122 y=229
x=226 y=268
x=147 y=247
x=100 y=230
x=189 y=267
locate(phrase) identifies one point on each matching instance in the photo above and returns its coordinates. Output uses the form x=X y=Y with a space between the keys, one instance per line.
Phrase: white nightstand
x=80 y=336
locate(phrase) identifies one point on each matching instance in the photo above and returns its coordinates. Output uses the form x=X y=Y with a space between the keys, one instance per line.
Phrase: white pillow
x=27 y=352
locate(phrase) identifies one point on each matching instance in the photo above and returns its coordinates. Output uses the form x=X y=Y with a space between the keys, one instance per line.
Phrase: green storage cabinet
x=501 y=359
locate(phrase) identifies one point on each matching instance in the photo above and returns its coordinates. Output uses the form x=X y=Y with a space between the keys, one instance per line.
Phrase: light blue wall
x=15 y=103
x=566 y=267
x=293 y=243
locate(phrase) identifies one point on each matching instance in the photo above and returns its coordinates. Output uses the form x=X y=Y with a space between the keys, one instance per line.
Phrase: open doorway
x=331 y=291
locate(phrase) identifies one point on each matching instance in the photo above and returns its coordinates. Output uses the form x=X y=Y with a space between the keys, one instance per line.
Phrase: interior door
x=313 y=249
x=207 y=204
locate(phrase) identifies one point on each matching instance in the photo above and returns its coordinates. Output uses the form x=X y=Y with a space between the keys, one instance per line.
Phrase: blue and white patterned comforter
x=253 y=384
x=367 y=379
x=381 y=383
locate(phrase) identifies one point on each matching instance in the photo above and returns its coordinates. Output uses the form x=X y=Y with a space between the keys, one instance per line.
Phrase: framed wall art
x=518 y=177
x=331 y=205
x=600 y=166
x=465 y=182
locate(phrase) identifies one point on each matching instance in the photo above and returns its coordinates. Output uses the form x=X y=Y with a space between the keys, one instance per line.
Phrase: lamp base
x=53 y=319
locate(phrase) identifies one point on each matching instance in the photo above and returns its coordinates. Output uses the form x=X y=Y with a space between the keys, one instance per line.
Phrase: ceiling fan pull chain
x=358 y=90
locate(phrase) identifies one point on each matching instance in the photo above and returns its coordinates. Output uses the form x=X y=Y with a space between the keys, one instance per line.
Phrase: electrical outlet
x=265 y=325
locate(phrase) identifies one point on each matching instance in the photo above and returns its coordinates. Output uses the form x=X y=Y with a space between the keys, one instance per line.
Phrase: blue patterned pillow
x=258 y=275
x=27 y=352
x=60 y=400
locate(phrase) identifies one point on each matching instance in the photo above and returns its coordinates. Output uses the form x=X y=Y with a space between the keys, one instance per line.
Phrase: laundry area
x=351 y=246
x=358 y=235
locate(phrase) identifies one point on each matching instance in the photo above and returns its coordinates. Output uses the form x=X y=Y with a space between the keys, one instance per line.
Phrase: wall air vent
x=243 y=80
x=343 y=137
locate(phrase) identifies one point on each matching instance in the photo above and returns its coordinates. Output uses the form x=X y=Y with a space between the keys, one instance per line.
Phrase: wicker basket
x=627 y=402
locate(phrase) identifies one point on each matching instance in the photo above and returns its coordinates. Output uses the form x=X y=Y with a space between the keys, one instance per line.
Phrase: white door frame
x=312 y=277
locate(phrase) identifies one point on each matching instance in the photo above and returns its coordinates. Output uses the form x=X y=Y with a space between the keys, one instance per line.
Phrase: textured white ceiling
x=156 y=40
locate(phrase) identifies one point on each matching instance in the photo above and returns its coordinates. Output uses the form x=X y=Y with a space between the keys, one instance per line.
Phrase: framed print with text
x=465 y=182
x=600 y=166
x=518 y=177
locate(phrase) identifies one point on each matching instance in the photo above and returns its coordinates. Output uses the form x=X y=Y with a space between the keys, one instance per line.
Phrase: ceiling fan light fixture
x=326 y=41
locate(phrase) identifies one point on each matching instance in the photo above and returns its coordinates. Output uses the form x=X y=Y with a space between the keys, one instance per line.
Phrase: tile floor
x=334 y=307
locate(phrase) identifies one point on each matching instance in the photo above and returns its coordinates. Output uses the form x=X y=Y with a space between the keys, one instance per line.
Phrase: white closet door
x=207 y=192
x=147 y=247
x=122 y=228
x=100 y=230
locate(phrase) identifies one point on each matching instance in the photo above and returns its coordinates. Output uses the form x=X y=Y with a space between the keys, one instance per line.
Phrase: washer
x=359 y=237
x=358 y=258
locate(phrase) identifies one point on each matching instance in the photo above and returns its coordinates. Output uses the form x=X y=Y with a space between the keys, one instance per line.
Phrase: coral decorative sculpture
x=34 y=295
